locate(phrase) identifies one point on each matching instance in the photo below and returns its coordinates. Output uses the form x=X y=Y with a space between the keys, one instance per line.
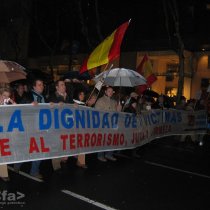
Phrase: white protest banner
x=30 y=132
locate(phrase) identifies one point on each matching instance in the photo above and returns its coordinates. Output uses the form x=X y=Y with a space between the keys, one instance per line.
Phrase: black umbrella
x=33 y=74
x=151 y=93
x=76 y=75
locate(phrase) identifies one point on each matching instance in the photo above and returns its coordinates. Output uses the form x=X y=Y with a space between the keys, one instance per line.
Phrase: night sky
x=56 y=25
x=147 y=25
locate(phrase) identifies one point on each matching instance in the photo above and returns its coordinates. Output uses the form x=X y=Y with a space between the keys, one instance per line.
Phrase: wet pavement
x=168 y=175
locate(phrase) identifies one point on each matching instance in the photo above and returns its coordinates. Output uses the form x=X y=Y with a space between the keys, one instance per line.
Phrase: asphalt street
x=169 y=174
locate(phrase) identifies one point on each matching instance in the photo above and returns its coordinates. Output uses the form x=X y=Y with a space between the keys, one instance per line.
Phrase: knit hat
x=133 y=95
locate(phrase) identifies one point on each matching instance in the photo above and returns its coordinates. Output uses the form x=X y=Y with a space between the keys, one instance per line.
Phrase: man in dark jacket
x=60 y=96
x=35 y=96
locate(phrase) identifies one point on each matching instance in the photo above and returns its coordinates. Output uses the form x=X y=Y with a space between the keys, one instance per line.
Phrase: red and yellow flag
x=106 y=51
x=145 y=68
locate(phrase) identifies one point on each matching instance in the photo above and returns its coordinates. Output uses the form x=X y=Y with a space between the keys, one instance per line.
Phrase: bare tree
x=86 y=22
x=98 y=25
x=83 y=23
x=170 y=8
x=14 y=30
x=84 y=26
x=50 y=45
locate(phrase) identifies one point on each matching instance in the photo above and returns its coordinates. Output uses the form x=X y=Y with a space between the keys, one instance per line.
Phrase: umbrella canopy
x=121 y=77
x=11 y=71
x=150 y=93
x=76 y=75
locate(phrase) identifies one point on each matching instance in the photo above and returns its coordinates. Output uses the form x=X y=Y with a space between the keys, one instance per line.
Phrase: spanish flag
x=106 y=51
x=145 y=69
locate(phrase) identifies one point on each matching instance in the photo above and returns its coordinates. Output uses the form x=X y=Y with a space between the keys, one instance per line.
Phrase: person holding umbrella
x=106 y=103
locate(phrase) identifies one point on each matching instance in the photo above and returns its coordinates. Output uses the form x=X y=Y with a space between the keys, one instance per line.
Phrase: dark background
x=147 y=29
x=71 y=27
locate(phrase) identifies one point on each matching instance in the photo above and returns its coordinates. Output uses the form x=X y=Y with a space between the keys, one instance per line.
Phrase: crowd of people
x=106 y=100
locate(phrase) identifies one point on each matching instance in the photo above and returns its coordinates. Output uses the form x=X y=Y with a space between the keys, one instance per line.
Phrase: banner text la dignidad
x=88 y=118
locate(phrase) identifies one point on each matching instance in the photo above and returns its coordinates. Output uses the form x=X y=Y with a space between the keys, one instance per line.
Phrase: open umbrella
x=151 y=93
x=76 y=75
x=11 y=71
x=121 y=77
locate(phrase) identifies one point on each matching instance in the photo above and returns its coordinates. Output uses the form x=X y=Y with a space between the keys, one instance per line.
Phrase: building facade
x=165 y=65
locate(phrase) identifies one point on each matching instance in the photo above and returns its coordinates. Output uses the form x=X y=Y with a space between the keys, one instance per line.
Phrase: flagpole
x=101 y=85
x=120 y=91
x=106 y=66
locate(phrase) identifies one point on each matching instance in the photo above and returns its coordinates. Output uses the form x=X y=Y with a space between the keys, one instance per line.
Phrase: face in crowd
x=61 y=87
x=81 y=96
x=109 y=92
x=20 y=89
x=5 y=95
x=134 y=105
x=39 y=86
